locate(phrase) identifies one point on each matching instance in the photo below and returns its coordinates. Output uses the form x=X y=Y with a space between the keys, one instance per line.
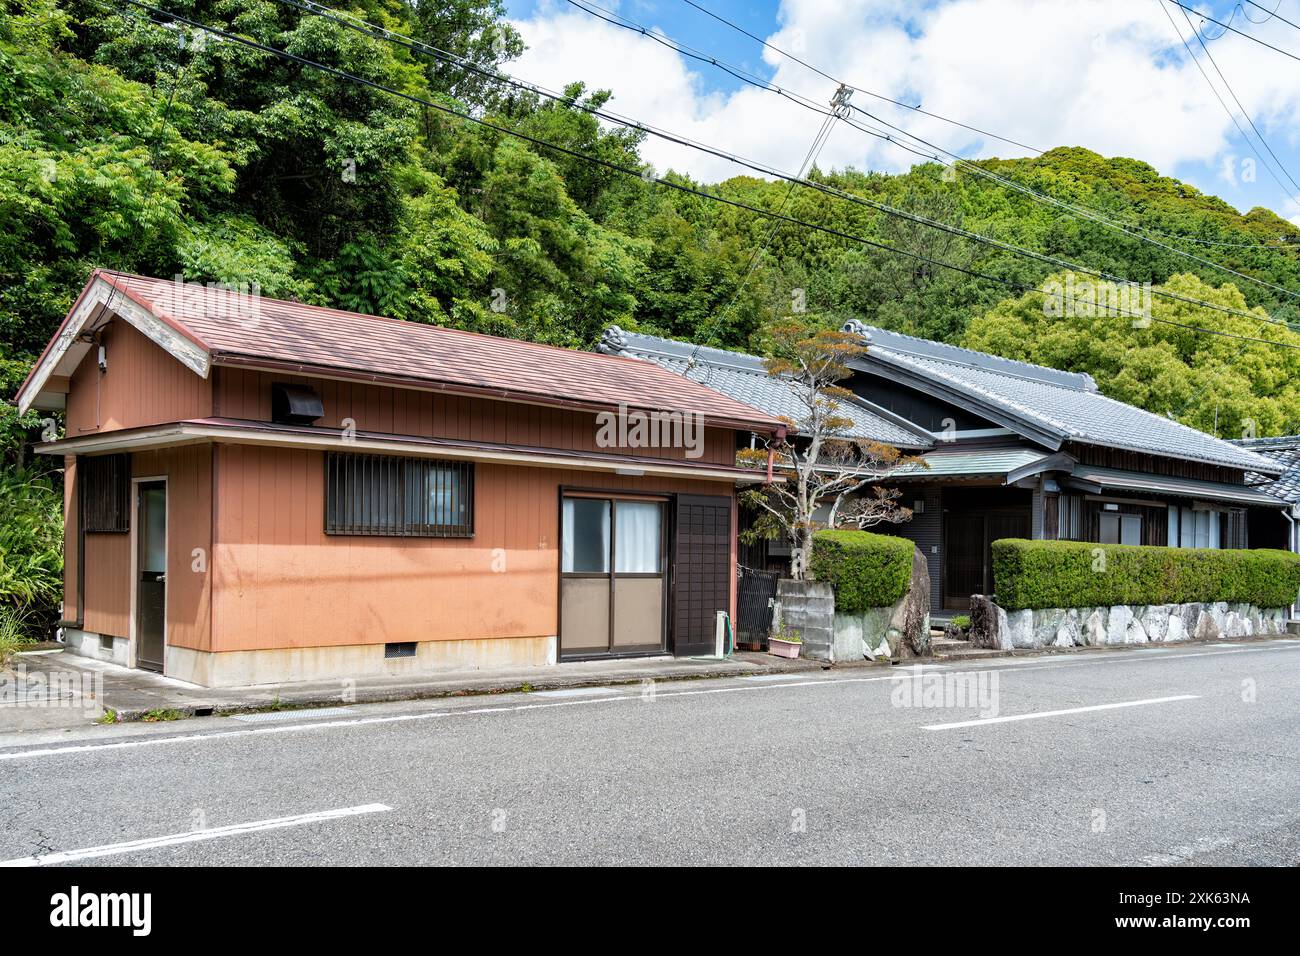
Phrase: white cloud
x=1109 y=75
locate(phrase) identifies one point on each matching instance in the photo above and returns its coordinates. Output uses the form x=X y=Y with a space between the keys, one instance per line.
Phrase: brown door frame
x=133 y=642
x=665 y=556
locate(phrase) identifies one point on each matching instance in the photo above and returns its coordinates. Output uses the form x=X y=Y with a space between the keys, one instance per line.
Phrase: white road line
x=633 y=694
x=1058 y=713
x=194 y=836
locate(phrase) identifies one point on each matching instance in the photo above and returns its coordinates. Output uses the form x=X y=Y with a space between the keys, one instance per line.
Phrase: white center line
x=1058 y=713
x=194 y=836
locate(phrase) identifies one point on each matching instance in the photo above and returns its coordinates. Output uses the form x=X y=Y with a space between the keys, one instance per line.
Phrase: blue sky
x=1111 y=75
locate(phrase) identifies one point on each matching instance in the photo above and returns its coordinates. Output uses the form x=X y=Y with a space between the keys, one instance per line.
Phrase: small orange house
x=260 y=491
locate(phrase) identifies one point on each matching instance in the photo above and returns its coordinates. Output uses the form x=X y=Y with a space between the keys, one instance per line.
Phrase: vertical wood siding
x=108 y=584
x=246 y=394
x=144 y=385
x=280 y=581
x=189 y=525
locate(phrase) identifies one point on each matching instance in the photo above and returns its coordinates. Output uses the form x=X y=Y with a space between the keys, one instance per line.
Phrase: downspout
x=778 y=438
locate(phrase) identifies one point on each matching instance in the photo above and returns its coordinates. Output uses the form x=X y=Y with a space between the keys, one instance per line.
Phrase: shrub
x=866 y=570
x=31 y=554
x=1041 y=574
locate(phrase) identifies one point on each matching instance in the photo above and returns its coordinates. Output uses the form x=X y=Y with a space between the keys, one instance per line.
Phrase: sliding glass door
x=612 y=576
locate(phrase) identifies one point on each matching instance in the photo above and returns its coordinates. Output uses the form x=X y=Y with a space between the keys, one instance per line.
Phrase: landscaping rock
x=988 y=624
x=899 y=631
x=914 y=609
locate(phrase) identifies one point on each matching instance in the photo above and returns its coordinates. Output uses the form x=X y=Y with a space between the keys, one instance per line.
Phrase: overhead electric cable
x=377 y=32
x=677 y=186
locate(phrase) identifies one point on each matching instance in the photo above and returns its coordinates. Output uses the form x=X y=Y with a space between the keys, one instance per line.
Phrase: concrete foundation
x=346 y=662
x=111 y=650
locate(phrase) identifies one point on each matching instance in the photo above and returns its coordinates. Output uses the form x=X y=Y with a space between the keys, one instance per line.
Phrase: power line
x=677 y=186
x=1272 y=15
x=1232 y=116
x=1081 y=211
x=365 y=27
x=823 y=134
x=628 y=24
x=857 y=89
x=1232 y=29
x=632 y=25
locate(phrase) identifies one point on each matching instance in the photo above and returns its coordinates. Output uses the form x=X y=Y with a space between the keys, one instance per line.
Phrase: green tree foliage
x=159 y=149
x=1226 y=386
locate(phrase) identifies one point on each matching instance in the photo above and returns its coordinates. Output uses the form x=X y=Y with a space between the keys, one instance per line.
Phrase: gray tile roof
x=744 y=378
x=1065 y=404
x=1285 y=451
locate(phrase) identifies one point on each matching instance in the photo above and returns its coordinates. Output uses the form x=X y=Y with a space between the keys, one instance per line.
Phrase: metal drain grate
x=273 y=715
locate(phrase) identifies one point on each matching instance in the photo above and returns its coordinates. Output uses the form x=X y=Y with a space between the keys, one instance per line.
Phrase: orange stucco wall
x=280 y=581
x=143 y=385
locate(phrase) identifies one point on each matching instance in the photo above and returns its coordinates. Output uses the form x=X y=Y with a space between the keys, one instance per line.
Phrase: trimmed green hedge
x=866 y=570
x=1043 y=574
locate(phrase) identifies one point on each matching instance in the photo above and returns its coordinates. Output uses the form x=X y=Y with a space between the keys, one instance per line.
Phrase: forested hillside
x=161 y=150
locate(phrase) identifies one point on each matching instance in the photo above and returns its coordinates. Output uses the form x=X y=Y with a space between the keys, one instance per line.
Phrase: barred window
x=105 y=482
x=402 y=497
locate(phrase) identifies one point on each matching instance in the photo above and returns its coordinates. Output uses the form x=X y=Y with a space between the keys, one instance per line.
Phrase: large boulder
x=911 y=616
x=900 y=630
x=988 y=624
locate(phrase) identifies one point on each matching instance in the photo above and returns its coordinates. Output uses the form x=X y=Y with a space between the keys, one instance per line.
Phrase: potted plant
x=785 y=644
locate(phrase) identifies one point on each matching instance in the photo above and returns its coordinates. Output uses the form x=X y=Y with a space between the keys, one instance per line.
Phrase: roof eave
x=202 y=431
x=101 y=294
x=875 y=362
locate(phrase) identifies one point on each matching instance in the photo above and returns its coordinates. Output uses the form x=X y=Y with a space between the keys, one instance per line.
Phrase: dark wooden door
x=968 y=552
x=701 y=575
x=963 y=556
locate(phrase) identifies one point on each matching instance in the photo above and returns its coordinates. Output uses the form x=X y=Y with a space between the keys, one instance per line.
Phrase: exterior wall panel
x=246 y=394
x=144 y=385
x=281 y=582
x=189 y=526
x=108 y=584
x=71 y=553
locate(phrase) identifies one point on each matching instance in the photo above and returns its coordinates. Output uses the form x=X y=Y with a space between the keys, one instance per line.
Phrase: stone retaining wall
x=994 y=627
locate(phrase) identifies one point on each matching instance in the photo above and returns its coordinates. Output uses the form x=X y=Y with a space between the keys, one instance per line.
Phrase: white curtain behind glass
x=637 y=537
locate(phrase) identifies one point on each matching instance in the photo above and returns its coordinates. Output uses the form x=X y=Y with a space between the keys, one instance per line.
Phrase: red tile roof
x=257 y=331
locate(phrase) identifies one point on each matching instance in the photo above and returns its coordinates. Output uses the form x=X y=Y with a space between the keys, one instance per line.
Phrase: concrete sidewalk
x=134 y=694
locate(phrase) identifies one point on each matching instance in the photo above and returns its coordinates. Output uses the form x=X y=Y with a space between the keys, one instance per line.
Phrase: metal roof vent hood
x=293 y=404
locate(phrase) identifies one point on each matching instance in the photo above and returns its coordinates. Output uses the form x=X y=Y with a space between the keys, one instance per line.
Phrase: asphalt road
x=1162 y=756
